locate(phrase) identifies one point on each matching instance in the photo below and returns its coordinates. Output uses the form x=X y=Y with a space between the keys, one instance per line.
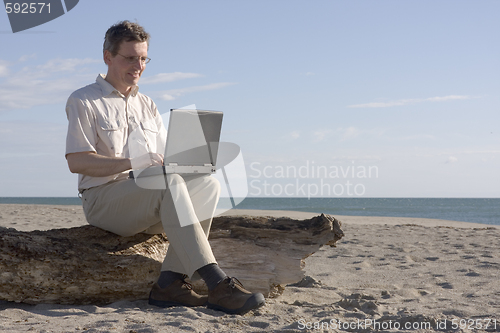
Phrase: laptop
x=192 y=144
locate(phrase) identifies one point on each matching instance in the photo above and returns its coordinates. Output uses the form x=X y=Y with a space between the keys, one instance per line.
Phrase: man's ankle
x=212 y=275
x=168 y=277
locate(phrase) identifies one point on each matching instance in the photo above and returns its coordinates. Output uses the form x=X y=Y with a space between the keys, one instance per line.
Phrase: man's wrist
x=128 y=163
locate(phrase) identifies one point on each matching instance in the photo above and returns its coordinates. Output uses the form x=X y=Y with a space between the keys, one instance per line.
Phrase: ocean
x=478 y=210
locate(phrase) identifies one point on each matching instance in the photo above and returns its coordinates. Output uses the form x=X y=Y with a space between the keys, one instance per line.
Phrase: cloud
x=4 y=68
x=48 y=83
x=295 y=134
x=447 y=98
x=321 y=134
x=64 y=65
x=349 y=133
x=471 y=152
x=168 y=77
x=451 y=159
x=419 y=137
x=384 y=104
x=401 y=102
x=291 y=136
x=27 y=57
x=4 y=71
x=170 y=95
x=342 y=134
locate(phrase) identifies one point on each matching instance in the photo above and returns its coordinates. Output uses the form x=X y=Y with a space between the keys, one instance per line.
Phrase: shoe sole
x=254 y=302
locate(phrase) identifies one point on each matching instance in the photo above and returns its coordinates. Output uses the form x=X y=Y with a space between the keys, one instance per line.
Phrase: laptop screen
x=193 y=137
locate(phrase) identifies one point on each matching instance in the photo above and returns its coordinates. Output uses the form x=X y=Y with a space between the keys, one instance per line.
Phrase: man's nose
x=139 y=64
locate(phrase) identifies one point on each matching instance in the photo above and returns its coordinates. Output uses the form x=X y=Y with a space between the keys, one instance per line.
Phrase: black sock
x=167 y=277
x=212 y=274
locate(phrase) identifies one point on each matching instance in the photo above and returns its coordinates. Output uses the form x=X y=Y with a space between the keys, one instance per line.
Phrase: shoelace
x=187 y=284
x=234 y=281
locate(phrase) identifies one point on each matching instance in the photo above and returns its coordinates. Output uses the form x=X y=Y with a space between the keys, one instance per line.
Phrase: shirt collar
x=107 y=88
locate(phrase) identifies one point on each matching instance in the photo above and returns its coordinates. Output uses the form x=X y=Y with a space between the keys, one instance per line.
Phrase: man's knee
x=154 y=229
x=174 y=179
x=214 y=184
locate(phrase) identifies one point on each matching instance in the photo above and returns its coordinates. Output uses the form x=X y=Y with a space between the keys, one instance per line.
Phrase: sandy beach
x=387 y=274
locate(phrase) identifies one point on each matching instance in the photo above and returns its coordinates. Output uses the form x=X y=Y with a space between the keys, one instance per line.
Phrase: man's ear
x=107 y=57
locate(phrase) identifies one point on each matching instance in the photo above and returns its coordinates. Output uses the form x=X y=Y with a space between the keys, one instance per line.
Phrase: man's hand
x=146 y=160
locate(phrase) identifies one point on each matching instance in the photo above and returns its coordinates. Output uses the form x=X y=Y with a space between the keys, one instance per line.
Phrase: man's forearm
x=95 y=165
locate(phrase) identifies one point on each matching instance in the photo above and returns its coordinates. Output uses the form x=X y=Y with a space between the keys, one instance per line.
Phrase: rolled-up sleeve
x=82 y=133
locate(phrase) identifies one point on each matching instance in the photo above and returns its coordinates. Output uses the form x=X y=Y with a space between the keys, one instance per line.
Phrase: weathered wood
x=87 y=265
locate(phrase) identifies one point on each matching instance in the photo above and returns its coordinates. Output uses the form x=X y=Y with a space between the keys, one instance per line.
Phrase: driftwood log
x=87 y=265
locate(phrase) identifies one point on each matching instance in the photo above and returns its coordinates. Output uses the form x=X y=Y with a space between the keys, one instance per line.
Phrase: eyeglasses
x=133 y=60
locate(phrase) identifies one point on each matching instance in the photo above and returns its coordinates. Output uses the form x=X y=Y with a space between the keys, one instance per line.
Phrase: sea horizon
x=475 y=210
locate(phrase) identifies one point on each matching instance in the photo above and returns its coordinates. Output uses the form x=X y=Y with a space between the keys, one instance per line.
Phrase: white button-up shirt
x=104 y=121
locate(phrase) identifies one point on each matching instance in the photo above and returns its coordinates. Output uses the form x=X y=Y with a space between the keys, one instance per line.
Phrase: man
x=101 y=117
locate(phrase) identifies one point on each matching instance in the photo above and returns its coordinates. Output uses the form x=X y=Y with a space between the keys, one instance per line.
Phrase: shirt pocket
x=150 y=133
x=112 y=133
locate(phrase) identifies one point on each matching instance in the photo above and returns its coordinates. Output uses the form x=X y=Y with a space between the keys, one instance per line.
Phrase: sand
x=387 y=274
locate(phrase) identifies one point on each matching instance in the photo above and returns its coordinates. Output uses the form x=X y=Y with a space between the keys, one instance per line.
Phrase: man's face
x=122 y=74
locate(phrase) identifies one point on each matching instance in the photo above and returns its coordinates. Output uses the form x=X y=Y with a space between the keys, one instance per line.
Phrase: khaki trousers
x=183 y=211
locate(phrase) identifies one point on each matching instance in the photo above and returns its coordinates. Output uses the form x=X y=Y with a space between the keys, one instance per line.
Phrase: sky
x=324 y=98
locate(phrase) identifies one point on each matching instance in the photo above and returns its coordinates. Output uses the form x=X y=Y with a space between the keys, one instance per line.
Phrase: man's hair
x=124 y=31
